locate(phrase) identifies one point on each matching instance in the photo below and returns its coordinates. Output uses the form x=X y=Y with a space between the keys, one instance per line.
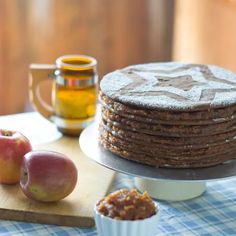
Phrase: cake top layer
x=171 y=86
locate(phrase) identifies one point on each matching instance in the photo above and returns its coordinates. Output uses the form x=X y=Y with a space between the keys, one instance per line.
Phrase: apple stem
x=24 y=176
x=6 y=133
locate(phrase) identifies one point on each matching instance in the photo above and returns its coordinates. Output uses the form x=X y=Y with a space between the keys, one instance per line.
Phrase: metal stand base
x=169 y=190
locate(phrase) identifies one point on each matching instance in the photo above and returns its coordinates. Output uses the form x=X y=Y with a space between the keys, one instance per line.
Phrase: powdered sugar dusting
x=171 y=85
x=117 y=82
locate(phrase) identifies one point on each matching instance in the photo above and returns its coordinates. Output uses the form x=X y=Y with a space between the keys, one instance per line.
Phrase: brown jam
x=127 y=204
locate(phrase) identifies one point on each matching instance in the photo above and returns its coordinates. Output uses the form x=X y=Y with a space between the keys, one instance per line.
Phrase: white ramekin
x=111 y=227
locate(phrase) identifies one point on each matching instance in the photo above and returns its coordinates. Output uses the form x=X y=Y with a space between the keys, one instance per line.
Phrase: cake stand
x=162 y=183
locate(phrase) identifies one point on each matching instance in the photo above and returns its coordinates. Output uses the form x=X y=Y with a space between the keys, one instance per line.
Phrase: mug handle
x=39 y=73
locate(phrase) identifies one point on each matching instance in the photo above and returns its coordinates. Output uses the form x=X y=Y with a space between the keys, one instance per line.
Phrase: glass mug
x=73 y=93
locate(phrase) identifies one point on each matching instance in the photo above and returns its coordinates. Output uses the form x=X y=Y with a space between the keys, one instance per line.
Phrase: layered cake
x=170 y=114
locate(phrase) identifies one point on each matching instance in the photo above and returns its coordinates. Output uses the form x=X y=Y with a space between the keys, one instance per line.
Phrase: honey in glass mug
x=73 y=95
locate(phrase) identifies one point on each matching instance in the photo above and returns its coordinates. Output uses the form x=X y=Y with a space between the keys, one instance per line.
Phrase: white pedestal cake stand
x=162 y=183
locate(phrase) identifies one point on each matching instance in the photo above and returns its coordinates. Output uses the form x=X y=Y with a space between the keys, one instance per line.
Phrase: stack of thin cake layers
x=170 y=114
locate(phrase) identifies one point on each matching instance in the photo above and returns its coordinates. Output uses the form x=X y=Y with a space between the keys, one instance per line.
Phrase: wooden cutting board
x=77 y=208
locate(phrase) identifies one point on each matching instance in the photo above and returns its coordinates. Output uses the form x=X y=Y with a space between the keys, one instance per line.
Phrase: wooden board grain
x=77 y=208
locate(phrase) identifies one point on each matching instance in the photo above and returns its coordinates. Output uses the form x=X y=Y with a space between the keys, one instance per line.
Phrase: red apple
x=13 y=146
x=47 y=176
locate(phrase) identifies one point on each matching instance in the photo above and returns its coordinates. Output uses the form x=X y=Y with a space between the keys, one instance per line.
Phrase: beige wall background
x=205 y=32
